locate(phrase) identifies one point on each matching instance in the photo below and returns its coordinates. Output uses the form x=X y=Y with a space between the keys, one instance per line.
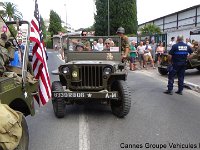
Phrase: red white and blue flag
x=40 y=68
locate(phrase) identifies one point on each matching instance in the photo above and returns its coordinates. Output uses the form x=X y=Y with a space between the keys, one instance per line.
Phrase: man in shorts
x=147 y=55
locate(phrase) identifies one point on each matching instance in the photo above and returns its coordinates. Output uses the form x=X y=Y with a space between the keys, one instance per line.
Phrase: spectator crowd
x=144 y=53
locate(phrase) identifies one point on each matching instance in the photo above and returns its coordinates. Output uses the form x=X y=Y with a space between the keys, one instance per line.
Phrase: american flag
x=40 y=68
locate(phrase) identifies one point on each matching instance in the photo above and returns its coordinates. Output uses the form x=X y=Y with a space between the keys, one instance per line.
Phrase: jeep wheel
x=121 y=107
x=198 y=68
x=24 y=142
x=58 y=103
x=162 y=71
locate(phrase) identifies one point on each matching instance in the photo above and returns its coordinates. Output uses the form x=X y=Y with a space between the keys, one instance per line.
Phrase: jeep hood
x=95 y=62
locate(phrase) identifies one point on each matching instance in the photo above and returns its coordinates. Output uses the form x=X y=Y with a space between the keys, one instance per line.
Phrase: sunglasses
x=107 y=43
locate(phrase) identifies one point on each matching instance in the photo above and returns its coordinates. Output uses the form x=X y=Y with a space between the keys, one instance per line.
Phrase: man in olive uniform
x=124 y=42
x=6 y=52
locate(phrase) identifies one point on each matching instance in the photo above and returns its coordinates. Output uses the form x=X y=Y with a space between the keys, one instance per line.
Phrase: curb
x=192 y=86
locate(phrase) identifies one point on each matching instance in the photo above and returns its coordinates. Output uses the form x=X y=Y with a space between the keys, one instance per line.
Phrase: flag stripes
x=40 y=68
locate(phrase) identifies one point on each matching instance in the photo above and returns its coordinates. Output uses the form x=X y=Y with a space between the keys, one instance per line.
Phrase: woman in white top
x=140 y=50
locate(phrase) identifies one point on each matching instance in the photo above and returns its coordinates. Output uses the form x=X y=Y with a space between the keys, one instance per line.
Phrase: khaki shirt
x=124 y=42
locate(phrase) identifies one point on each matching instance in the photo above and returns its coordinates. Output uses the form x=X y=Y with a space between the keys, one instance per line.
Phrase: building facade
x=181 y=22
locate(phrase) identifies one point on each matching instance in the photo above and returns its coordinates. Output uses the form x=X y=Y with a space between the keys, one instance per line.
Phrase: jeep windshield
x=94 y=44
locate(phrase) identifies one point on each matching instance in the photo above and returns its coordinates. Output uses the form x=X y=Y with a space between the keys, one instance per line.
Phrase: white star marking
x=25 y=94
x=89 y=95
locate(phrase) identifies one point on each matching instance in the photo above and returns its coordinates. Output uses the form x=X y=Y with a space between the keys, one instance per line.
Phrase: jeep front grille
x=91 y=77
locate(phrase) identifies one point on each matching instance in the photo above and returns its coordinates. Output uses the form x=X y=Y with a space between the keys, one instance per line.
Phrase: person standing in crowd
x=124 y=42
x=147 y=55
x=159 y=51
x=153 y=49
x=188 y=42
x=171 y=43
x=21 y=49
x=140 y=50
x=133 y=55
x=177 y=64
x=16 y=62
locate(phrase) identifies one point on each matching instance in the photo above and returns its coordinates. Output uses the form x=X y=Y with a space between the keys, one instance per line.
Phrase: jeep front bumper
x=85 y=95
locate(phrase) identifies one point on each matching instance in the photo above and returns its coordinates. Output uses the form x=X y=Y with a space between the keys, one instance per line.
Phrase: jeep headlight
x=65 y=70
x=107 y=70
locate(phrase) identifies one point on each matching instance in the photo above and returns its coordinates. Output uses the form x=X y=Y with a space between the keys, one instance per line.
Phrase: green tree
x=150 y=29
x=55 y=23
x=11 y=11
x=44 y=31
x=122 y=13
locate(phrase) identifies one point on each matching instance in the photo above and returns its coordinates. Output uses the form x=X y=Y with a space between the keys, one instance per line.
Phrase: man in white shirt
x=171 y=43
x=147 y=55
x=188 y=42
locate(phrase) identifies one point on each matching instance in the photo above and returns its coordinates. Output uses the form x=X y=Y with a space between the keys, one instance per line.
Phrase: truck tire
x=162 y=71
x=24 y=142
x=198 y=68
x=121 y=107
x=58 y=103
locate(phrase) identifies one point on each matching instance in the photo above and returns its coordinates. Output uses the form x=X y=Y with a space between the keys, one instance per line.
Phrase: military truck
x=92 y=75
x=15 y=89
x=191 y=64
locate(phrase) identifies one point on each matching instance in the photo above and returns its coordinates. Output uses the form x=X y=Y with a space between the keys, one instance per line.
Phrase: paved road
x=154 y=118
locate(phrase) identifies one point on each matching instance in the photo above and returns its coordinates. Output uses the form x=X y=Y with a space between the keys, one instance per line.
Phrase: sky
x=80 y=13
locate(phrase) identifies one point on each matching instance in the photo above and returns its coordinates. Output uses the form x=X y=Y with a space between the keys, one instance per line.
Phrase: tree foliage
x=44 y=31
x=55 y=23
x=150 y=29
x=11 y=11
x=121 y=13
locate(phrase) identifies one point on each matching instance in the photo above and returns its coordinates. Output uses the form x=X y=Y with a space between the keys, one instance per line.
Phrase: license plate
x=105 y=95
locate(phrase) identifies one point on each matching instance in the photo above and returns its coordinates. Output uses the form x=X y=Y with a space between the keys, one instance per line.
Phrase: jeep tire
x=121 y=107
x=24 y=141
x=198 y=68
x=58 y=103
x=162 y=71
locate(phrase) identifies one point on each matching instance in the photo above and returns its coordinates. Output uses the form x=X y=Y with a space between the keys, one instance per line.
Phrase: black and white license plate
x=109 y=95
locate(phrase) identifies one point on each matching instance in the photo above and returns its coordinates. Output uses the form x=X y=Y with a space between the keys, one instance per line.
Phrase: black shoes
x=179 y=92
x=168 y=92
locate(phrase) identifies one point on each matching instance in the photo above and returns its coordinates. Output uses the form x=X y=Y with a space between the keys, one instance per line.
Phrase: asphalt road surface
x=156 y=121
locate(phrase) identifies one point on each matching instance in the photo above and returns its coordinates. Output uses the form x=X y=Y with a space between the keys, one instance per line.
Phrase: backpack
x=10 y=127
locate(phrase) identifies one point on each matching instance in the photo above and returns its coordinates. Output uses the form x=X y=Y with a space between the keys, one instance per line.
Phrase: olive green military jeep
x=92 y=74
x=15 y=90
x=191 y=64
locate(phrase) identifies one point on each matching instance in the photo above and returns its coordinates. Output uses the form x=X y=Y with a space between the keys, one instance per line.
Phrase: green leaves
x=55 y=23
x=122 y=13
x=11 y=11
x=150 y=29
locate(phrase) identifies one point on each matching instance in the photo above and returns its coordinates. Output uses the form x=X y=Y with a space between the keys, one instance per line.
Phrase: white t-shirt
x=147 y=48
x=171 y=43
x=141 y=49
x=189 y=44
x=100 y=46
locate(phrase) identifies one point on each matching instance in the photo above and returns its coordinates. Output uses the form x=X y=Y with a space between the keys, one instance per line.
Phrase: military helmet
x=120 y=30
x=80 y=45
